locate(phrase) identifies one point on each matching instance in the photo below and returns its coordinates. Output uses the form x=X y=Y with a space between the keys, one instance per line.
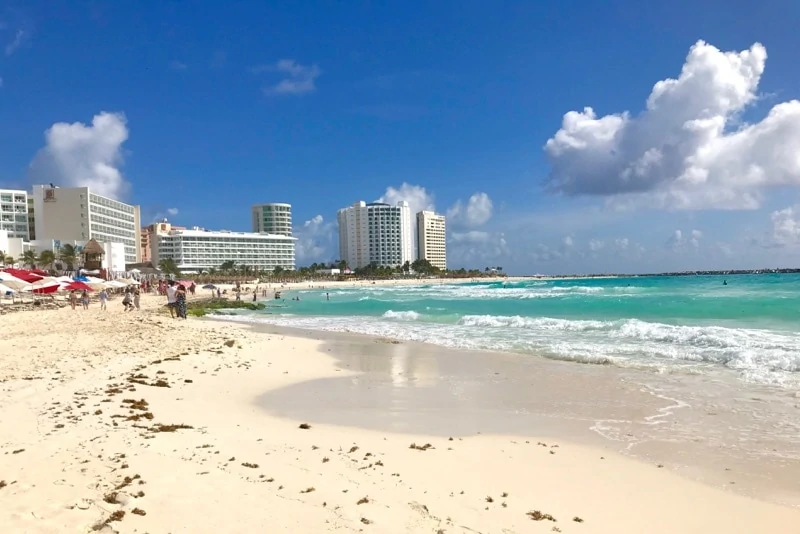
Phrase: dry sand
x=140 y=423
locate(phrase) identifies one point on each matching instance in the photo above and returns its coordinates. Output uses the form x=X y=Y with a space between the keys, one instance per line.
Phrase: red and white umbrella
x=9 y=280
x=45 y=286
x=24 y=275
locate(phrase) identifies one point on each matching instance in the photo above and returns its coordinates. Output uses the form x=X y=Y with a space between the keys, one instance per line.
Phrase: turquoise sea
x=664 y=324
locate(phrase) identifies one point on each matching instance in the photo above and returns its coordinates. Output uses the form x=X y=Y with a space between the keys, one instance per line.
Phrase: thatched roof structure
x=93 y=247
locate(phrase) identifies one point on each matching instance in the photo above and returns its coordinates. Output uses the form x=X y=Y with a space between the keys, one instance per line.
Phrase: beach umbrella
x=24 y=275
x=210 y=286
x=81 y=279
x=44 y=287
x=13 y=282
x=5 y=290
x=78 y=286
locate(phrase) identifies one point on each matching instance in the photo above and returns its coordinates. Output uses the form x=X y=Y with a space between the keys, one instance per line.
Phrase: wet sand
x=710 y=428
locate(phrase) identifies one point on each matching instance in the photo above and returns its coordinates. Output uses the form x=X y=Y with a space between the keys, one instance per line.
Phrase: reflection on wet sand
x=423 y=389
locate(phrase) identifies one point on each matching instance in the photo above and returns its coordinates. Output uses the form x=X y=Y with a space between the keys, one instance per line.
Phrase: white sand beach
x=135 y=422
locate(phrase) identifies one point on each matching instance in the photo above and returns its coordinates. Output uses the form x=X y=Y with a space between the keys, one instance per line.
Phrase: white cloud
x=477 y=211
x=678 y=241
x=178 y=65
x=314 y=241
x=299 y=79
x=172 y=211
x=686 y=150
x=15 y=43
x=622 y=243
x=417 y=197
x=84 y=155
x=785 y=227
x=596 y=245
x=567 y=241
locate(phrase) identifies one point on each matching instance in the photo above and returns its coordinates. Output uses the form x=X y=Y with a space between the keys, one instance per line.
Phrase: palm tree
x=68 y=255
x=47 y=258
x=168 y=266
x=227 y=265
x=6 y=259
x=29 y=258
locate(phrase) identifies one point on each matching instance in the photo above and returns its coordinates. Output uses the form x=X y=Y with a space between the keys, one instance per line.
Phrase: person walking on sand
x=171 y=291
x=180 y=301
x=85 y=299
x=73 y=299
x=103 y=299
x=136 y=297
x=126 y=300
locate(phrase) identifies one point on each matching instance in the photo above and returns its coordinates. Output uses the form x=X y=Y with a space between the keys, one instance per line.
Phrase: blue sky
x=201 y=109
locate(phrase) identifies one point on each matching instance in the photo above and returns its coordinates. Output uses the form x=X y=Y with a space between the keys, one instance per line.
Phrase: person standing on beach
x=85 y=299
x=103 y=299
x=73 y=299
x=180 y=301
x=136 y=297
x=171 y=291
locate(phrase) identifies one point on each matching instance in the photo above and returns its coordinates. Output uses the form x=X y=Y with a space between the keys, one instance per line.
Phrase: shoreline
x=635 y=412
x=196 y=451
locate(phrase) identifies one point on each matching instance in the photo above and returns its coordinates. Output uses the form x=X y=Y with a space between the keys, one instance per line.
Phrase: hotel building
x=197 y=249
x=274 y=218
x=431 y=238
x=75 y=214
x=14 y=213
x=148 y=234
x=376 y=234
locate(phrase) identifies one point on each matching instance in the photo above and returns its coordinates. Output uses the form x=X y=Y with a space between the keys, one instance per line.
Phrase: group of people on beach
x=131 y=300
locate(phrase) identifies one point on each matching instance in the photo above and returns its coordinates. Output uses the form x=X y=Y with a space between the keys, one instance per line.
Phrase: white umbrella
x=115 y=283
x=13 y=282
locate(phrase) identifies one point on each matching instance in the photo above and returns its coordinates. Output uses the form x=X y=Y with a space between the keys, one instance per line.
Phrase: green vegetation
x=200 y=308
x=68 y=256
x=168 y=266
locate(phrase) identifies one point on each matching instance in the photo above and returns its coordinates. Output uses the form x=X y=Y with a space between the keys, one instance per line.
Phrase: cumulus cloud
x=83 y=155
x=686 y=150
x=785 y=227
x=678 y=241
x=567 y=241
x=477 y=211
x=314 y=241
x=298 y=79
x=417 y=197
x=172 y=211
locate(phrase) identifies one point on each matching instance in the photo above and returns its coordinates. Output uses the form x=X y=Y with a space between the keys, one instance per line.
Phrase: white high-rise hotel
x=76 y=214
x=376 y=234
x=431 y=238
